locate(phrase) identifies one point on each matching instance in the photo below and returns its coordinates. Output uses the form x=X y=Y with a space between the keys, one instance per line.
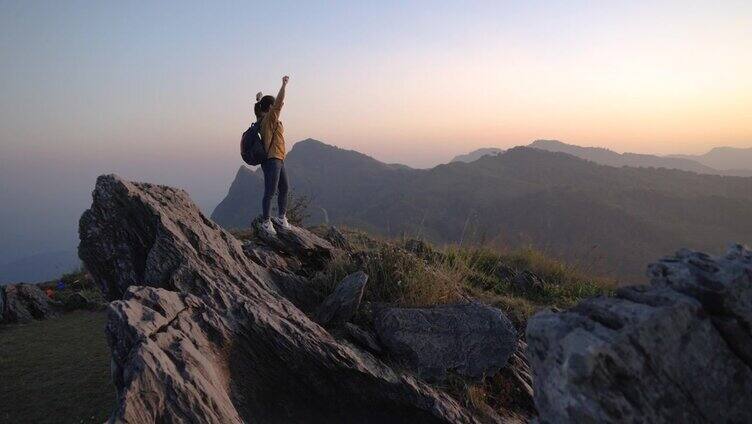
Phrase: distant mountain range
x=39 y=267
x=611 y=219
x=720 y=163
x=725 y=158
x=477 y=154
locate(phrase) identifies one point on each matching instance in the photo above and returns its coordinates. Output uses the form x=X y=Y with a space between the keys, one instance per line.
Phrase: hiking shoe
x=282 y=222
x=268 y=229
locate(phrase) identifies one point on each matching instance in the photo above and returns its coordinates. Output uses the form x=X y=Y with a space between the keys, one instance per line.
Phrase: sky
x=161 y=91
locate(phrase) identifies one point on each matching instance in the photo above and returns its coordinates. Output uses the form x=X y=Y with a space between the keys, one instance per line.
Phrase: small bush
x=298 y=209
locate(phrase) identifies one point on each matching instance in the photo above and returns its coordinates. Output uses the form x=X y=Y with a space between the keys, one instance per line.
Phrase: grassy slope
x=56 y=371
x=435 y=275
x=412 y=273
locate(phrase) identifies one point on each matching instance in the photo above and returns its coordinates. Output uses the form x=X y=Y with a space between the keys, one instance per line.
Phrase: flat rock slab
x=469 y=339
x=677 y=350
x=340 y=306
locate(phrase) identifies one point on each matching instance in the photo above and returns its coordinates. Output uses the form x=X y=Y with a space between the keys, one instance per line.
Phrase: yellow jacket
x=273 y=132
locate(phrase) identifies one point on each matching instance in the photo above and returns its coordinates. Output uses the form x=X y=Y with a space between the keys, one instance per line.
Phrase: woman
x=267 y=109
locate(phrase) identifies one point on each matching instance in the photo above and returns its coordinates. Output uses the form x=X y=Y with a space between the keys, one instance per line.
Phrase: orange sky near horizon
x=415 y=83
x=161 y=91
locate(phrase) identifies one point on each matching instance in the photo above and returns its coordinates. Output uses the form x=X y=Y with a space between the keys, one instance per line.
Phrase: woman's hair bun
x=259 y=95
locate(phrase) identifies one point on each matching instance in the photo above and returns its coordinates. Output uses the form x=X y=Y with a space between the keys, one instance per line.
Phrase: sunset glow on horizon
x=162 y=91
x=399 y=83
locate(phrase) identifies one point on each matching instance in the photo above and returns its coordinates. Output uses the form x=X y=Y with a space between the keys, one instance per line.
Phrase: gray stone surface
x=469 y=339
x=267 y=257
x=26 y=302
x=310 y=250
x=200 y=333
x=296 y=289
x=677 y=350
x=362 y=338
x=340 y=306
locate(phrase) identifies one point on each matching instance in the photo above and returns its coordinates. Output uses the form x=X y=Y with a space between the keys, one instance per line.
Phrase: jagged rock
x=362 y=338
x=202 y=333
x=297 y=290
x=343 y=303
x=26 y=302
x=677 y=350
x=337 y=239
x=468 y=339
x=518 y=372
x=311 y=250
x=268 y=258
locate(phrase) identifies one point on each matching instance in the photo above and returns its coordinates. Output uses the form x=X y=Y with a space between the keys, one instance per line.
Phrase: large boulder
x=677 y=350
x=27 y=302
x=201 y=333
x=340 y=306
x=468 y=339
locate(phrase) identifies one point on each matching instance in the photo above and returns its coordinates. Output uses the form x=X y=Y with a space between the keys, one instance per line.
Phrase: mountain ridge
x=477 y=154
x=575 y=209
x=727 y=161
x=731 y=159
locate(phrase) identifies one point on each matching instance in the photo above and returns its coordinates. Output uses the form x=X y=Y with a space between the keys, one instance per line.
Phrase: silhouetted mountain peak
x=477 y=154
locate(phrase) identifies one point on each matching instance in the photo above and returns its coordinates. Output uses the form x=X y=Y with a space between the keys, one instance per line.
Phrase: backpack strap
x=257 y=127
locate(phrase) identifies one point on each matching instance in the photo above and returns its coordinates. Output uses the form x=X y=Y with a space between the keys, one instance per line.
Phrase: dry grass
x=412 y=273
x=562 y=285
x=408 y=272
x=396 y=276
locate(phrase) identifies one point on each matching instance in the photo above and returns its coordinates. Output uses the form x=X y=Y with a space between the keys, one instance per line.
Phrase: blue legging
x=275 y=178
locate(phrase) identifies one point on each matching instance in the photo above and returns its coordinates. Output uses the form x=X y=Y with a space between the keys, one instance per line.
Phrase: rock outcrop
x=24 y=303
x=677 y=350
x=343 y=303
x=361 y=337
x=298 y=245
x=470 y=339
x=201 y=333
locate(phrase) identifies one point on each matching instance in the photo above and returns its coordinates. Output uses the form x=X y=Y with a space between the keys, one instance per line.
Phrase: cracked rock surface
x=677 y=350
x=467 y=339
x=21 y=303
x=202 y=333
